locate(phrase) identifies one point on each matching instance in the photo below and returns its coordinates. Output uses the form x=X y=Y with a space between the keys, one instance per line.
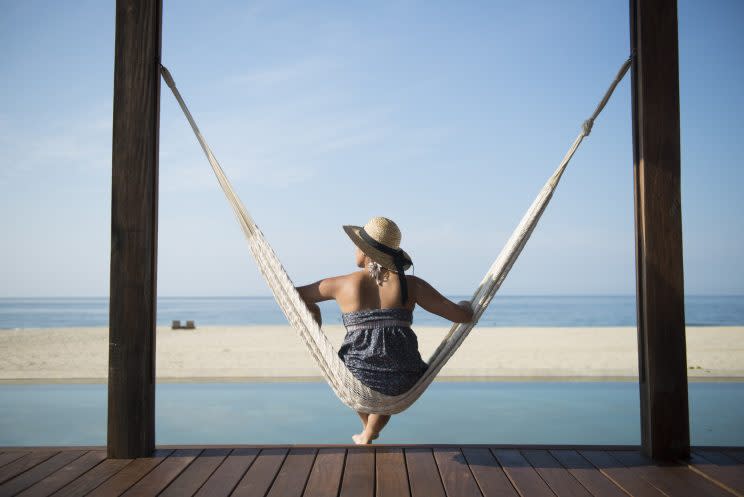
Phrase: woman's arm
x=325 y=289
x=433 y=301
x=319 y=291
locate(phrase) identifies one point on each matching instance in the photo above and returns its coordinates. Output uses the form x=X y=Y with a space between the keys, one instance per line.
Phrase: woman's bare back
x=358 y=291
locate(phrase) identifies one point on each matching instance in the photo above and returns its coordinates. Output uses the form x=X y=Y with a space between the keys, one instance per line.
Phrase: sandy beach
x=276 y=353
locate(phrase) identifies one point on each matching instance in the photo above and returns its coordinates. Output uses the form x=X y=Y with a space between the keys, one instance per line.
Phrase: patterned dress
x=381 y=350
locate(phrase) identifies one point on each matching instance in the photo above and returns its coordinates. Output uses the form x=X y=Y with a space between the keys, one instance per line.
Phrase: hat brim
x=382 y=258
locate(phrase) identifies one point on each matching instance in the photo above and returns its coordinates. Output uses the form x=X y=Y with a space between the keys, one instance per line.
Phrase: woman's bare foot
x=363 y=439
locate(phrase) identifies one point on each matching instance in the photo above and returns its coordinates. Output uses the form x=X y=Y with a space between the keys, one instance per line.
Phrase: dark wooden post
x=134 y=228
x=662 y=363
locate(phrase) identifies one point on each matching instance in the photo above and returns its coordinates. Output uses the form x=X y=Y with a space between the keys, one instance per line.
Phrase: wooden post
x=662 y=363
x=134 y=208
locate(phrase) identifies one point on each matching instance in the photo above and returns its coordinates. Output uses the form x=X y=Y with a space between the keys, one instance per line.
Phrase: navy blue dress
x=381 y=350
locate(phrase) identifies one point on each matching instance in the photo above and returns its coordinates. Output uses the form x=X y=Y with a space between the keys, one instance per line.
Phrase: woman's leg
x=375 y=423
x=363 y=417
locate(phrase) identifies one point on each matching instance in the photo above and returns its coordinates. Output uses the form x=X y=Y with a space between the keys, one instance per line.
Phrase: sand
x=276 y=353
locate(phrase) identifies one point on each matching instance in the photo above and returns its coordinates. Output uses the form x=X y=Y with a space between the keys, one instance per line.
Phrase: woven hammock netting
x=348 y=388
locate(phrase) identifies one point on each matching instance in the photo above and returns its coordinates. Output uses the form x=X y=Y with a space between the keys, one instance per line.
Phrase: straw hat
x=380 y=240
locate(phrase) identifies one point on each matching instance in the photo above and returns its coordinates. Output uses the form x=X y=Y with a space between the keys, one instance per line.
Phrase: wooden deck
x=377 y=470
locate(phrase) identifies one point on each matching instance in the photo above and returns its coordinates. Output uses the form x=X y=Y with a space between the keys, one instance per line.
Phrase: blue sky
x=447 y=117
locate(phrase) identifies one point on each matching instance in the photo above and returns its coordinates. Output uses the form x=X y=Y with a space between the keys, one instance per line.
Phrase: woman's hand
x=315 y=311
x=465 y=304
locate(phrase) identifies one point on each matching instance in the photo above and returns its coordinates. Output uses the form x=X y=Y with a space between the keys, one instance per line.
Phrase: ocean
x=549 y=311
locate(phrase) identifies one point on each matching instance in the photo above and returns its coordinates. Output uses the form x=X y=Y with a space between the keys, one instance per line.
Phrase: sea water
x=309 y=413
x=504 y=310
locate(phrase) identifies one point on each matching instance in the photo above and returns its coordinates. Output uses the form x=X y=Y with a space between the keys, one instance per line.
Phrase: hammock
x=348 y=388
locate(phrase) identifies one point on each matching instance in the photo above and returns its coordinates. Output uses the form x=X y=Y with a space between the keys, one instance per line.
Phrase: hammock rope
x=348 y=388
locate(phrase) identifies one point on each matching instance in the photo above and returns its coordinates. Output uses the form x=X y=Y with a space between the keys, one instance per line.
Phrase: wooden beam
x=134 y=208
x=662 y=363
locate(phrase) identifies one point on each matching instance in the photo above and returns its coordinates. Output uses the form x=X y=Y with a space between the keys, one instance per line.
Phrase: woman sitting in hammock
x=380 y=348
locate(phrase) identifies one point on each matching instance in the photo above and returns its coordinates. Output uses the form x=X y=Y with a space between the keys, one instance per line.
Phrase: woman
x=380 y=348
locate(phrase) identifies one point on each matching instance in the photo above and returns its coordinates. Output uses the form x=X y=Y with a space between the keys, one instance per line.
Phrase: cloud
x=286 y=147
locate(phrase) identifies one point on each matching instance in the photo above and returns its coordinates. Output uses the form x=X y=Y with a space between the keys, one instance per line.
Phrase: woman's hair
x=376 y=270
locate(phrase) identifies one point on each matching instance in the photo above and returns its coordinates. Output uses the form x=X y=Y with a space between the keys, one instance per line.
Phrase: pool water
x=518 y=412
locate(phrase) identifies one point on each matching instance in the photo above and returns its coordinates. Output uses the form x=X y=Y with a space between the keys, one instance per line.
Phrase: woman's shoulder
x=354 y=275
x=347 y=280
x=414 y=281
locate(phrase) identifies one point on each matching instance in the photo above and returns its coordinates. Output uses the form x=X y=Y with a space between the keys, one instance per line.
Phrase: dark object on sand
x=176 y=325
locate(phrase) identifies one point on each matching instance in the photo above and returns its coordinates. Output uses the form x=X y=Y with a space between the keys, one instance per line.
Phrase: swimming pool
x=518 y=412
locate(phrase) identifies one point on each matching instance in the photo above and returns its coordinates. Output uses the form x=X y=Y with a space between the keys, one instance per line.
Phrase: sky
x=447 y=117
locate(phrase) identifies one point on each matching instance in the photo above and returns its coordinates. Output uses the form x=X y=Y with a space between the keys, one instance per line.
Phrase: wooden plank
x=736 y=454
x=488 y=473
x=391 y=477
x=671 y=478
x=554 y=474
x=622 y=476
x=261 y=474
x=720 y=469
x=346 y=445
x=423 y=474
x=134 y=206
x=293 y=474
x=163 y=474
x=662 y=362
x=521 y=473
x=325 y=477
x=8 y=457
x=130 y=474
x=22 y=464
x=194 y=476
x=455 y=473
x=23 y=450
x=228 y=474
x=38 y=472
x=93 y=478
x=722 y=458
x=706 y=470
x=65 y=475
x=589 y=476
x=359 y=473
